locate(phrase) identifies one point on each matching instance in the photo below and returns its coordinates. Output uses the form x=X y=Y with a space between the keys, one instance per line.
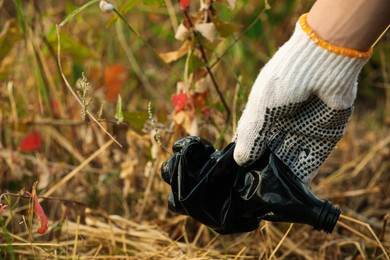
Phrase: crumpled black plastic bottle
x=209 y=186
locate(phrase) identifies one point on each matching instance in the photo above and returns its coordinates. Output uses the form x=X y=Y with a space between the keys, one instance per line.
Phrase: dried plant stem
x=172 y=15
x=35 y=244
x=26 y=196
x=385 y=71
x=68 y=122
x=133 y=61
x=376 y=242
x=26 y=244
x=355 y=193
x=76 y=237
x=369 y=156
x=356 y=232
x=281 y=241
x=55 y=122
x=275 y=233
x=14 y=113
x=152 y=173
x=47 y=75
x=238 y=256
x=383 y=231
x=235 y=99
x=65 y=143
x=198 y=234
x=157 y=136
x=208 y=67
x=380 y=36
x=358 y=164
x=97 y=251
x=74 y=93
x=242 y=34
x=144 y=41
x=77 y=170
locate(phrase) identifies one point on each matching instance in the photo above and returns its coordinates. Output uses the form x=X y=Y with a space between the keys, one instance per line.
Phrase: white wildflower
x=106 y=6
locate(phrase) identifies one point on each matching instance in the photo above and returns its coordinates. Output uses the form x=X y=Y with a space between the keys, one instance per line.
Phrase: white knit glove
x=300 y=103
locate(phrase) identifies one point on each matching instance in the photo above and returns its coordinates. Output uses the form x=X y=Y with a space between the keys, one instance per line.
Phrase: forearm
x=354 y=24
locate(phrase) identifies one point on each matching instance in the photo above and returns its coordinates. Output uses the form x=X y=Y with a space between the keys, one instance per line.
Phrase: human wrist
x=330 y=42
x=353 y=24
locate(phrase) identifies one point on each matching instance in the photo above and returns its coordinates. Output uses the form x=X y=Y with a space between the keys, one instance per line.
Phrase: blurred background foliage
x=43 y=135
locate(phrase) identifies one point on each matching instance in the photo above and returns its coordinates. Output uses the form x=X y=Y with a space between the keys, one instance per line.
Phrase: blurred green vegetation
x=90 y=41
x=94 y=42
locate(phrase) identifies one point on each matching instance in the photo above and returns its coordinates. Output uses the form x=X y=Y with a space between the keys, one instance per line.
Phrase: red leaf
x=43 y=223
x=55 y=106
x=2 y=209
x=179 y=101
x=199 y=100
x=114 y=77
x=31 y=142
x=185 y=5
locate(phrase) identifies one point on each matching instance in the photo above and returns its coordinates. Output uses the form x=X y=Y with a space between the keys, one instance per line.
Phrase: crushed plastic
x=209 y=186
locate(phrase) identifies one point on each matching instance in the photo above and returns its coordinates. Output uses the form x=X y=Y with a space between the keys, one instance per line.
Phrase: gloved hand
x=300 y=103
x=209 y=186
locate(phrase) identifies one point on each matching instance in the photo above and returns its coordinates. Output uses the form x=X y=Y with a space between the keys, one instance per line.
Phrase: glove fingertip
x=248 y=150
x=243 y=157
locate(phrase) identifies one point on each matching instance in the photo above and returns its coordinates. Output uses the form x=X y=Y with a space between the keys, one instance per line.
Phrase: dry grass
x=105 y=201
x=79 y=232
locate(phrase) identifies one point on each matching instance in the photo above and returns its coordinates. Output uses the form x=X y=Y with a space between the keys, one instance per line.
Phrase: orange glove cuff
x=330 y=47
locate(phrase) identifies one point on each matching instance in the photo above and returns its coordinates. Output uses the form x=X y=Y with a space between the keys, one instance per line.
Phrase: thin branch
x=78 y=169
x=74 y=94
x=26 y=196
x=377 y=240
x=236 y=39
x=208 y=68
x=69 y=122
x=281 y=241
x=383 y=232
x=144 y=42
